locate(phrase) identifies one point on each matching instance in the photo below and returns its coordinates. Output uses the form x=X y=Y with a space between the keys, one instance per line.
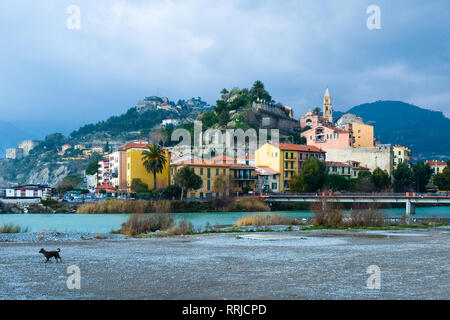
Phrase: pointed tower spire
x=327 y=106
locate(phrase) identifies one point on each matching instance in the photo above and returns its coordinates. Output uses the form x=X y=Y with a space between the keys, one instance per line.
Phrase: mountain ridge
x=426 y=132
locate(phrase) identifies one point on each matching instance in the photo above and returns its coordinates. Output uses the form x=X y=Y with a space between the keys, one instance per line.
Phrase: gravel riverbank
x=316 y=264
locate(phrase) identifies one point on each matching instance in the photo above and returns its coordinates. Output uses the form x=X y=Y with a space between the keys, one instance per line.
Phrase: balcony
x=244 y=178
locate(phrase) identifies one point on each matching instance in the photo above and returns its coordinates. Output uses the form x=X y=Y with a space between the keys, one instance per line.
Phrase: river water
x=104 y=223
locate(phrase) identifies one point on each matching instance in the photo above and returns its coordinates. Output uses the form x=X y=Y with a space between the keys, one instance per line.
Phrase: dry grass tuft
x=143 y=223
x=265 y=220
x=12 y=228
x=326 y=214
x=116 y=206
x=365 y=218
x=247 y=205
x=182 y=228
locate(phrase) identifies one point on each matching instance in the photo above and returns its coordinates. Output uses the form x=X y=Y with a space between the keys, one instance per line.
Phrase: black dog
x=51 y=254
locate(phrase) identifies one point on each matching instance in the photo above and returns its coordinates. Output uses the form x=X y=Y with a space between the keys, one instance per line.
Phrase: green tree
x=187 y=180
x=258 y=91
x=403 y=178
x=69 y=183
x=316 y=111
x=442 y=180
x=92 y=167
x=337 y=182
x=138 y=186
x=364 y=182
x=311 y=177
x=381 y=179
x=172 y=192
x=208 y=119
x=422 y=174
x=154 y=161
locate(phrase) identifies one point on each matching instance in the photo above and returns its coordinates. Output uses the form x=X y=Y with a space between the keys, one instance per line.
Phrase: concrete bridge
x=409 y=199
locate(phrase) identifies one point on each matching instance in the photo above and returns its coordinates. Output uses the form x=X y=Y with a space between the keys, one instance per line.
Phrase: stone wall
x=380 y=156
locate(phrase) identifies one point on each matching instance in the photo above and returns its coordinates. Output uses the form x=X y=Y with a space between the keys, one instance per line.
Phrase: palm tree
x=154 y=160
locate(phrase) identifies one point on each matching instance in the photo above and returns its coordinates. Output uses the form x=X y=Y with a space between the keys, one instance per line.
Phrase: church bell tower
x=327 y=107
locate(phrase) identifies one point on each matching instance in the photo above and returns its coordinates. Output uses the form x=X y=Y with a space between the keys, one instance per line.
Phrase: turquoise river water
x=103 y=223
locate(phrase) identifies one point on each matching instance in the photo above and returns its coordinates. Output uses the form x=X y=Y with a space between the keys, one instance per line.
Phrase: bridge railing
x=338 y=194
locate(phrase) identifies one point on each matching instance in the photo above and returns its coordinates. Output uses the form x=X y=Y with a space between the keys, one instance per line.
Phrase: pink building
x=326 y=137
x=64 y=148
x=311 y=120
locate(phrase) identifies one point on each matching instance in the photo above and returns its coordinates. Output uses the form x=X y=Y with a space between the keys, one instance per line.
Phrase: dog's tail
x=59 y=249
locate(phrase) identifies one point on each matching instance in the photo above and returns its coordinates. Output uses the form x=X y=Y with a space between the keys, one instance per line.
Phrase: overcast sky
x=126 y=50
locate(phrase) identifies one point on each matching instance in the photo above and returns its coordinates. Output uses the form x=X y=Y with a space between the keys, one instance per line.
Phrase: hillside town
x=346 y=145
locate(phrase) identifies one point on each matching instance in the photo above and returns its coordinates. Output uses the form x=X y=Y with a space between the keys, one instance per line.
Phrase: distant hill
x=425 y=132
x=148 y=113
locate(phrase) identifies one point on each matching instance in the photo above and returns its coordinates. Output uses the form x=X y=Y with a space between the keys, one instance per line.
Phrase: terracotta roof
x=361 y=168
x=247 y=156
x=297 y=147
x=106 y=187
x=337 y=164
x=131 y=145
x=223 y=158
x=268 y=170
x=436 y=163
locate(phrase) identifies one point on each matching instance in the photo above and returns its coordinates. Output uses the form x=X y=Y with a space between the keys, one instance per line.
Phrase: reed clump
x=144 y=223
x=126 y=206
x=330 y=214
x=12 y=228
x=247 y=205
x=182 y=228
x=365 y=218
x=265 y=220
x=326 y=214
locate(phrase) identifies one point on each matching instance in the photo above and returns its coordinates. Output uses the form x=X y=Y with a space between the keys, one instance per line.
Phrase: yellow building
x=235 y=177
x=286 y=159
x=136 y=169
x=401 y=154
x=362 y=135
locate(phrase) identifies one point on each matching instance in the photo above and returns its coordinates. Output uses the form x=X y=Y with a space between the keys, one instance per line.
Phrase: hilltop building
x=362 y=133
x=14 y=153
x=27 y=146
x=326 y=137
x=348 y=131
